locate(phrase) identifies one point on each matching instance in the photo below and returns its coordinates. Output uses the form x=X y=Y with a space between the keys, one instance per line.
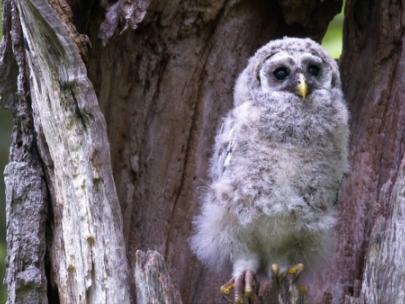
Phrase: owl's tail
x=213 y=239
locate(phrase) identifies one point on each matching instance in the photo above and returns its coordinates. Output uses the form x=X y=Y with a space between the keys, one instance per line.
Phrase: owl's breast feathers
x=281 y=162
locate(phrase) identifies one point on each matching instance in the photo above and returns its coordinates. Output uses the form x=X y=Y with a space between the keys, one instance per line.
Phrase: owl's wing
x=224 y=146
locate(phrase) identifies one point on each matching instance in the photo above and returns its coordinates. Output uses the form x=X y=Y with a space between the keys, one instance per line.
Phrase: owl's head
x=293 y=66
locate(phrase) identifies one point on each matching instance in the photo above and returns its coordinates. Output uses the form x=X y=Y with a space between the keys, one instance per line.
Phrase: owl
x=278 y=162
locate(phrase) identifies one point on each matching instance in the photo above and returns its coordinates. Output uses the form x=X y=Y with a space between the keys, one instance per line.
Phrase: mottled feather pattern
x=277 y=166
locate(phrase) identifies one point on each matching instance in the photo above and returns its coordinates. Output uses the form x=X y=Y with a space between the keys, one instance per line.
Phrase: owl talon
x=275 y=269
x=296 y=269
x=277 y=274
x=239 y=280
x=249 y=282
x=243 y=286
x=227 y=287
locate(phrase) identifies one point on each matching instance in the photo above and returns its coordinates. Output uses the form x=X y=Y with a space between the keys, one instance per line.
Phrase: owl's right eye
x=281 y=73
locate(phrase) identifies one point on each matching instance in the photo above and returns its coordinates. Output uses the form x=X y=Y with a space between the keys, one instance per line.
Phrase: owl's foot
x=295 y=270
x=243 y=286
x=292 y=273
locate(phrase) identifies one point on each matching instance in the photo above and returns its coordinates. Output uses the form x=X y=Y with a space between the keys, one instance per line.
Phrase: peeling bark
x=26 y=199
x=26 y=192
x=88 y=259
x=88 y=252
x=152 y=280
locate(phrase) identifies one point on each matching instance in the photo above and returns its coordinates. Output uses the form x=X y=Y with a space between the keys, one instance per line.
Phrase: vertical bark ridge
x=152 y=279
x=26 y=191
x=373 y=65
x=88 y=253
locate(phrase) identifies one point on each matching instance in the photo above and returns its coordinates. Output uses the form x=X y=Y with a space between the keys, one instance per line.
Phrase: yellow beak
x=302 y=87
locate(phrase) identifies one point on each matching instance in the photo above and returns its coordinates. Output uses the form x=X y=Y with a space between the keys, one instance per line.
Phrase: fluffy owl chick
x=277 y=165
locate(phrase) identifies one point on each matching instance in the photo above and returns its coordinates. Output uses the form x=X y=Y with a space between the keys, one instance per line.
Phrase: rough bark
x=370 y=253
x=87 y=252
x=26 y=192
x=152 y=280
x=163 y=89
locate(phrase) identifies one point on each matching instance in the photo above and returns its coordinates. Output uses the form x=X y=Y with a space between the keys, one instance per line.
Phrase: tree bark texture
x=370 y=235
x=164 y=89
x=87 y=253
x=163 y=73
x=152 y=280
x=26 y=191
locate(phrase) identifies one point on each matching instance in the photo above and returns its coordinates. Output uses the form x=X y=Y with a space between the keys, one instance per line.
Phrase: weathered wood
x=373 y=69
x=384 y=273
x=26 y=192
x=152 y=280
x=87 y=253
x=26 y=202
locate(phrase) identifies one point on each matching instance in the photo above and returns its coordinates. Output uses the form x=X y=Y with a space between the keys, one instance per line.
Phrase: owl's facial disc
x=296 y=73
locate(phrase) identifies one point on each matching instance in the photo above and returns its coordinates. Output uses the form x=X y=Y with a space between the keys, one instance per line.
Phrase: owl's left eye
x=281 y=73
x=313 y=70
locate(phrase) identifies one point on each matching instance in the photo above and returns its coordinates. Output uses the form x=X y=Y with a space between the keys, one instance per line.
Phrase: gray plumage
x=278 y=162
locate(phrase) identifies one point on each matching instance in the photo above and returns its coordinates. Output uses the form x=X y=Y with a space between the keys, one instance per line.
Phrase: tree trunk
x=371 y=230
x=162 y=74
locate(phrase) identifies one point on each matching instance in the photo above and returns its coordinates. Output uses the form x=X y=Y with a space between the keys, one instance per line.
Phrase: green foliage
x=332 y=41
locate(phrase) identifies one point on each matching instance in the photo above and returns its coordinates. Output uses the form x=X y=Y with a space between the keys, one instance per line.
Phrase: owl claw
x=239 y=280
x=243 y=286
x=277 y=273
x=227 y=287
x=275 y=269
x=249 y=282
x=295 y=270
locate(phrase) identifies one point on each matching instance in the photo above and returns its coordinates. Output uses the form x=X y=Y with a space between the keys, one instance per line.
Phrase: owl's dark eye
x=313 y=70
x=281 y=73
